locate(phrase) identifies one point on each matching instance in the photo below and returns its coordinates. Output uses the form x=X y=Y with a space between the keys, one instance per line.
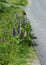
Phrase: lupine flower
x=14 y=32
x=16 y=15
x=19 y=29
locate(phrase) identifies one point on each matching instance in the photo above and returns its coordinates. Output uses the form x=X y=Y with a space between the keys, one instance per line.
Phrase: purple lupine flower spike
x=16 y=15
x=19 y=29
x=14 y=32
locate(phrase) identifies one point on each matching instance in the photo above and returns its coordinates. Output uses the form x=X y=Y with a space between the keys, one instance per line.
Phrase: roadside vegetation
x=17 y=2
x=16 y=43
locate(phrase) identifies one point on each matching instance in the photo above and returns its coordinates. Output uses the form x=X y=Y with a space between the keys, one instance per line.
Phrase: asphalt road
x=36 y=13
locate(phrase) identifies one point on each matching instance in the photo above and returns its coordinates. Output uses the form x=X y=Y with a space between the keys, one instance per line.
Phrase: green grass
x=31 y=54
x=17 y=2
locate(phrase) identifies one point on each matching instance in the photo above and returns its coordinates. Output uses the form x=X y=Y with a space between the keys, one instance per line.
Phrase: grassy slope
x=9 y=15
x=17 y=2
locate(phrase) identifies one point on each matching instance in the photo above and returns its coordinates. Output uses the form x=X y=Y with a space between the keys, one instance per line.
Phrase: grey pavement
x=36 y=13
